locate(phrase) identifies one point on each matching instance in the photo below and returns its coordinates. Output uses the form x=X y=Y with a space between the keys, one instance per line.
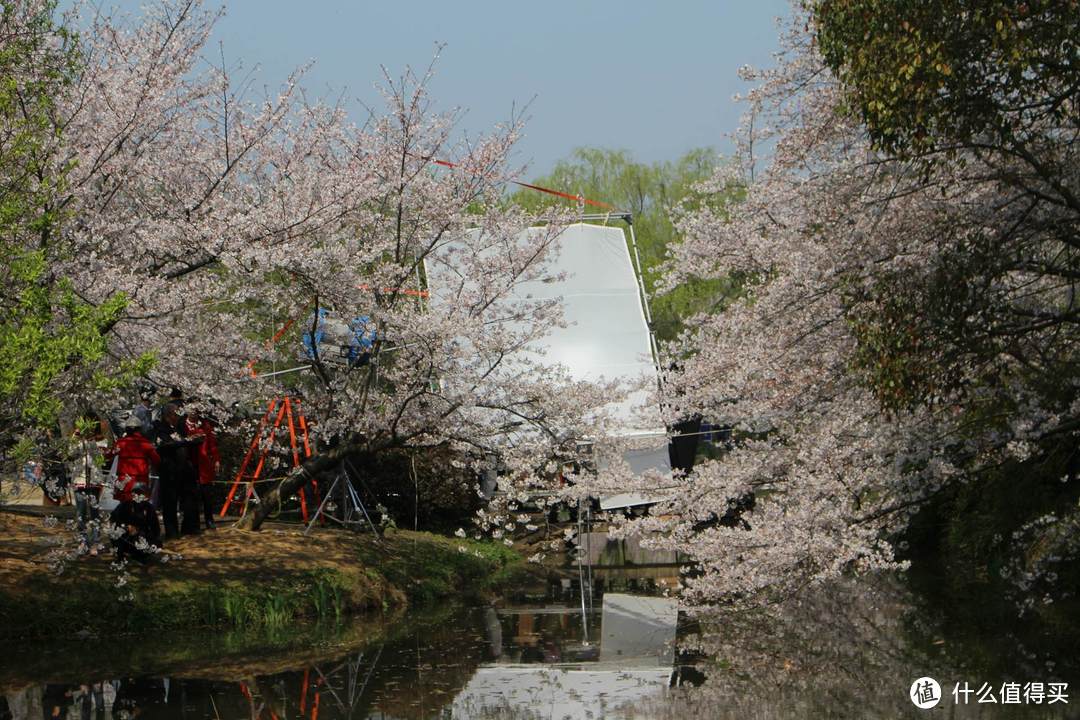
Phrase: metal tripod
x=349 y=511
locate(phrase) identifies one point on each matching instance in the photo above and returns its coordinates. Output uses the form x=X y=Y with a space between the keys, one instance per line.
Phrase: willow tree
x=655 y=194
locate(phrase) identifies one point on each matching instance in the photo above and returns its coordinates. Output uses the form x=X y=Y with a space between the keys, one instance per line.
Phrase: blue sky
x=653 y=78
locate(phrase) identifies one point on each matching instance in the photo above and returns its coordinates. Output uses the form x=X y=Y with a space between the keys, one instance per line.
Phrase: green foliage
x=972 y=107
x=971 y=534
x=273 y=603
x=908 y=335
x=982 y=95
x=428 y=567
x=651 y=193
x=91 y=602
x=52 y=341
x=37 y=61
x=926 y=75
x=242 y=608
x=328 y=596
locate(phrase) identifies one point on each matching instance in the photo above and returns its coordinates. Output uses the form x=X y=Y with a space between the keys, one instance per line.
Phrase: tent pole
x=581 y=577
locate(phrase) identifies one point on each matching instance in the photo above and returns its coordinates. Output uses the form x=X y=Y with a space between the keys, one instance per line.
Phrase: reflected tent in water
x=529 y=660
x=638 y=629
x=635 y=660
x=839 y=650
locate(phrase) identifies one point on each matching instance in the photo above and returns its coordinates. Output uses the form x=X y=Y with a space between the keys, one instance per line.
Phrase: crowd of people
x=164 y=462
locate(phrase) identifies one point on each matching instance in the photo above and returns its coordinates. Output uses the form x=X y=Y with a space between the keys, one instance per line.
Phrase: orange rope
x=539 y=188
x=270 y=343
x=400 y=291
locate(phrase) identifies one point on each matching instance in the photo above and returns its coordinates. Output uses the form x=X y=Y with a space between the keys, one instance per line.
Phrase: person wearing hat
x=136 y=455
x=178 y=477
x=176 y=398
x=145 y=410
x=137 y=534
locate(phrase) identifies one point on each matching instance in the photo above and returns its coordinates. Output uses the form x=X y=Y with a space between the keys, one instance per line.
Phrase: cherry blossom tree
x=49 y=337
x=217 y=216
x=853 y=403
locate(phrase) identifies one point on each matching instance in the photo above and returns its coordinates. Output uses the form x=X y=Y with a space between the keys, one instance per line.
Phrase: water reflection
x=542 y=659
x=854 y=650
x=570 y=677
x=847 y=650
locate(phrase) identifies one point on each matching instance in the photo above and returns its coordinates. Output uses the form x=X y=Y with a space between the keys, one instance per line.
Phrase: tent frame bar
x=617 y=214
x=645 y=302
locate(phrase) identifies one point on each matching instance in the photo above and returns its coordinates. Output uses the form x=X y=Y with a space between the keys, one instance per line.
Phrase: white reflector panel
x=606 y=335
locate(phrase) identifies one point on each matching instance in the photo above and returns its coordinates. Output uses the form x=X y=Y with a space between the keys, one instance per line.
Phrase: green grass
x=404 y=568
x=431 y=567
x=95 y=604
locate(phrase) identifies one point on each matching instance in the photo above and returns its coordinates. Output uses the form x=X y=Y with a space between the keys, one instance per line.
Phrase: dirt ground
x=26 y=541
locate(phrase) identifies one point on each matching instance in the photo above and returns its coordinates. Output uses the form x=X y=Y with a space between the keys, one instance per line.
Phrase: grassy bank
x=219 y=653
x=235 y=579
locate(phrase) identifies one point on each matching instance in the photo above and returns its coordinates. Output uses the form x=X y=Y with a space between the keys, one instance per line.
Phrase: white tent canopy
x=606 y=335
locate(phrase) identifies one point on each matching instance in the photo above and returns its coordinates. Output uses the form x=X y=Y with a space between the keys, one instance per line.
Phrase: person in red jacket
x=136 y=456
x=204 y=456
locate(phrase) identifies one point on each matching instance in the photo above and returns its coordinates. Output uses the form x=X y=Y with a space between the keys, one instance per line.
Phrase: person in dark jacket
x=139 y=532
x=179 y=483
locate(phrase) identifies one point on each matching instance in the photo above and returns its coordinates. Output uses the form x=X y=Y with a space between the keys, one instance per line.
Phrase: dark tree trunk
x=313 y=467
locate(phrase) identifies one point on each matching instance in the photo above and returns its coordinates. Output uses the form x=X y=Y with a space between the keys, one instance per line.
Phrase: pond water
x=843 y=651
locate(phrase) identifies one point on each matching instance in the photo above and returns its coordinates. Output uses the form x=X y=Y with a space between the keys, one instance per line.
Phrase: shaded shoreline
x=236 y=579
x=208 y=653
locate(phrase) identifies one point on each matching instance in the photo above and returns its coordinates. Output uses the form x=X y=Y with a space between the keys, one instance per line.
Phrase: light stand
x=350 y=512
